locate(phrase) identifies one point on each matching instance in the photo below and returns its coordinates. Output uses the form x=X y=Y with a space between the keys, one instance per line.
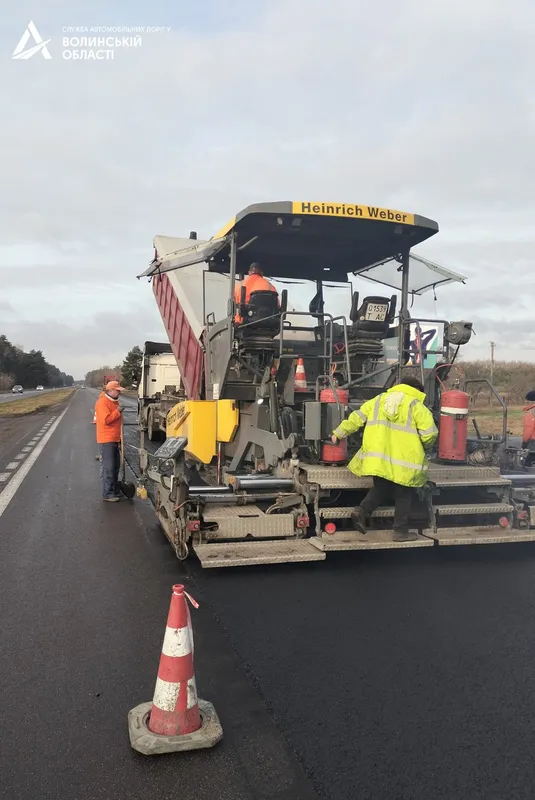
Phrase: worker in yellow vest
x=399 y=429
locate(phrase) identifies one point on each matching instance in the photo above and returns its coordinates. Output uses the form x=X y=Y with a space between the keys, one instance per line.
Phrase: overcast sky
x=427 y=107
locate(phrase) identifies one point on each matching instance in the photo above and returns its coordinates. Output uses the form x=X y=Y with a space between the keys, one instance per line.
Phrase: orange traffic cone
x=95 y=418
x=300 y=382
x=175 y=709
x=176 y=719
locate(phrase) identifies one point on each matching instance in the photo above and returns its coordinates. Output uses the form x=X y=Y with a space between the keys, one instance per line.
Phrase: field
x=30 y=405
x=489 y=419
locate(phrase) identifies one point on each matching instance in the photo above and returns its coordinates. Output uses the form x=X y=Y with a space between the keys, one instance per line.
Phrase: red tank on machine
x=334 y=453
x=453 y=428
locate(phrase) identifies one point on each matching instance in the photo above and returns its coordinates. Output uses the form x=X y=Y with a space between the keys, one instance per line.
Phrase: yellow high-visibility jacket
x=398 y=428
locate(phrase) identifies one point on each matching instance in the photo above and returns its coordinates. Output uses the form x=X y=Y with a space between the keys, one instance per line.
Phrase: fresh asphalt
x=386 y=675
x=84 y=593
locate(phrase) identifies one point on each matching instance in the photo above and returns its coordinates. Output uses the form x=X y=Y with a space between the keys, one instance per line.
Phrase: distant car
x=82 y=387
x=39 y=388
x=17 y=389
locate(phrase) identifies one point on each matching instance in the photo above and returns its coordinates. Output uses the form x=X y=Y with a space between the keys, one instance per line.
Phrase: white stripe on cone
x=177 y=642
x=166 y=694
x=300 y=380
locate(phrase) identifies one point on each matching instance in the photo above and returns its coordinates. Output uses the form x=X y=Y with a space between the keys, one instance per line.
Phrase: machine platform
x=480 y=535
x=373 y=540
x=242 y=554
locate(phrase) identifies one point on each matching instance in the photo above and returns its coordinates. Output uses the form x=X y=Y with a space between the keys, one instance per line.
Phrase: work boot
x=405 y=536
x=359 y=520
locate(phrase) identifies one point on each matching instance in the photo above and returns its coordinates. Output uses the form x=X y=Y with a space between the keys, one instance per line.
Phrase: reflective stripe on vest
x=395 y=461
x=428 y=431
x=407 y=428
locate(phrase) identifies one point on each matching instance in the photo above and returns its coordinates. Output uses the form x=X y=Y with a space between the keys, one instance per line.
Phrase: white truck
x=160 y=388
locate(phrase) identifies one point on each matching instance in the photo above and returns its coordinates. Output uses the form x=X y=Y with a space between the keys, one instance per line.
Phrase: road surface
x=392 y=676
x=7 y=397
x=84 y=592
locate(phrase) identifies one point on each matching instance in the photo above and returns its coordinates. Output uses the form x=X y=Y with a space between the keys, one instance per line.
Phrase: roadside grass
x=30 y=405
x=489 y=419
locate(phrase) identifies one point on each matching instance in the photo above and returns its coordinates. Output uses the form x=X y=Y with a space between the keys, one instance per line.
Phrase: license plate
x=375 y=312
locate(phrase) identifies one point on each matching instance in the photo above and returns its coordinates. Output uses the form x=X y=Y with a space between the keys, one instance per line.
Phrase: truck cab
x=160 y=388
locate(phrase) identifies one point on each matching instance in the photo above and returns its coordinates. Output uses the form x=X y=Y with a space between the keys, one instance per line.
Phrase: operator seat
x=374 y=317
x=261 y=314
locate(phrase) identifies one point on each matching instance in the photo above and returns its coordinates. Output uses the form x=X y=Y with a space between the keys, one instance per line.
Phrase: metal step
x=445 y=475
x=478 y=508
x=238 y=522
x=492 y=534
x=243 y=554
x=343 y=512
x=373 y=540
x=459 y=484
x=456 y=476
x=335 y=477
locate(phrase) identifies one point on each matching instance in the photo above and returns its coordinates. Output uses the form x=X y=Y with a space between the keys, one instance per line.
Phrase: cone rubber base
x=150 y=744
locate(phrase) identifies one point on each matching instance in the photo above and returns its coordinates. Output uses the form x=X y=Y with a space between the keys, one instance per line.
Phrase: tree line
x=511 y=379
x=128 y=373
x=28 y=369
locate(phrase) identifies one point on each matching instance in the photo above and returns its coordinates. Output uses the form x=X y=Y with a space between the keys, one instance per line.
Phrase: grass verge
x=489 y=420
x=29 y=405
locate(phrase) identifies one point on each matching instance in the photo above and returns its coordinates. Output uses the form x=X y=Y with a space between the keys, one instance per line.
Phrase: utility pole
x=492 y=346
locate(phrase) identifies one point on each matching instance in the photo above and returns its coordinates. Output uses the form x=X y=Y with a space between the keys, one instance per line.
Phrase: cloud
x=420 y=106
x=7 y=311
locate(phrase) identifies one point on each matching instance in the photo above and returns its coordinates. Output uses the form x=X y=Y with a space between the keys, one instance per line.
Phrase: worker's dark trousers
x=110 y=463
x=384 y=493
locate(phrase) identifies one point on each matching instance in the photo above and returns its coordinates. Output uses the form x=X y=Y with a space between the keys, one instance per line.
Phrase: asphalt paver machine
x=247 y=474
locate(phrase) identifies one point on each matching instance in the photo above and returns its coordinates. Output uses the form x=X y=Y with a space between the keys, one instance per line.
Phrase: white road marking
x=4 y=476
x=20 y=457
x=7 y=494
x=25 y=449
x=13 y=465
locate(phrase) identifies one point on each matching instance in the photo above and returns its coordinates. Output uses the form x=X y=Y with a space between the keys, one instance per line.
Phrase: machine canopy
x=306 y=240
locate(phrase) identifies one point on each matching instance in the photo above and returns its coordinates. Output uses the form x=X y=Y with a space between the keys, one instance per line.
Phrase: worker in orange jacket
x=109 y=430
x=528 y=434
x=253 y=282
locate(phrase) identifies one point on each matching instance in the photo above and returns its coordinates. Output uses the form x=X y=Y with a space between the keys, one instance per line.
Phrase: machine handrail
x=283 y=316
x=346 y=340
x=356 y=381
x=500 y=400
x=403 y=323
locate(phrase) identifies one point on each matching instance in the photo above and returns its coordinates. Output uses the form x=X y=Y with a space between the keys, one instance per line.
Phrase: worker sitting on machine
x=399 y=429
x=528 y=436
x=253 y=282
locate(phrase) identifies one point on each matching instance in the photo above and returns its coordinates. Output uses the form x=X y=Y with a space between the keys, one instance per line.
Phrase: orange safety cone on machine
x=300 y=382
x=176 y=719
x=95 y=417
